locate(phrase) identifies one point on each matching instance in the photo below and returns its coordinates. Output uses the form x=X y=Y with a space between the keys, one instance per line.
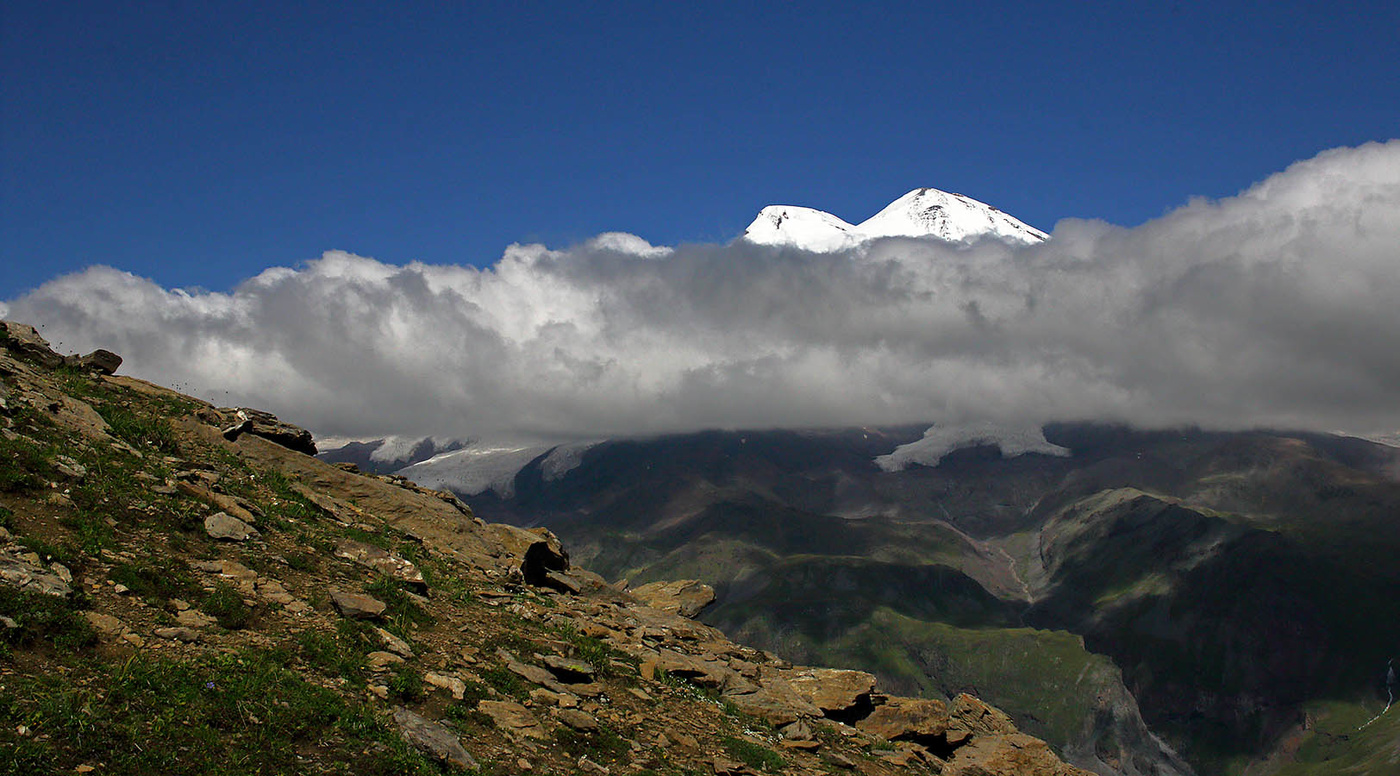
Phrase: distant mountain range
x=1132 y=596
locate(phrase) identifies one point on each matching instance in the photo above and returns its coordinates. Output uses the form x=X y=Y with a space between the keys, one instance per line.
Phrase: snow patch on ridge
x=942 y=440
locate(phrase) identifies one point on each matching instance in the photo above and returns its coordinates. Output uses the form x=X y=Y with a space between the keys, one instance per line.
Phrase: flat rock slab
x=578 y=720
x=570 y=670
x=357 y=606
x=433 y=738
x=512 y=718
x=907 y=718
x=832 y=690
x=19 y=572
x=187 y=635
x=452 y=684
x=222 y=525
x=684 y=597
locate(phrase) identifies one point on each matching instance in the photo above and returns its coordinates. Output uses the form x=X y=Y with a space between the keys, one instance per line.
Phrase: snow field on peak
x=920 y=213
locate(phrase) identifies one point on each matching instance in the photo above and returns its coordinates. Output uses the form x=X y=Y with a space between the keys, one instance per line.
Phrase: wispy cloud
x=1277 y=307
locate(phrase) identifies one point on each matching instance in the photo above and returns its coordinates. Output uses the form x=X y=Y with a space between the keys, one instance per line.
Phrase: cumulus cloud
x=1277 y=307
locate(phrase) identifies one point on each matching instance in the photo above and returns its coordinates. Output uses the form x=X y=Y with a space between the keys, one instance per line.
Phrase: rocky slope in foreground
x=183 y=589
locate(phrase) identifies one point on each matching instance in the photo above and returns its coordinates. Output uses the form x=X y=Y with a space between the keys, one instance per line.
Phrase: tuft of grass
x=225 y=604
x=406 y=684
x=140 y=429
x=287 y=503
x=340 y=654
x=753 y=755
x=7 y=519
x=506 y=682
x=401 y=613
x=597 y=652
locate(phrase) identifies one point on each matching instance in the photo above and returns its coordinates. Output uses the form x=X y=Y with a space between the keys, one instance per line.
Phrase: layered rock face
x=304 y=616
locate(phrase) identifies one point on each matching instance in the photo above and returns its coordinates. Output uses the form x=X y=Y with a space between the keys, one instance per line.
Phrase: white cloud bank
x=1278 y=307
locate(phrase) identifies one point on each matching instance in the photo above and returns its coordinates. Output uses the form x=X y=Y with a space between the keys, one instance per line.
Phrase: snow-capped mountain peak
x=800 y=227
x=922 y=212
x=952 y=217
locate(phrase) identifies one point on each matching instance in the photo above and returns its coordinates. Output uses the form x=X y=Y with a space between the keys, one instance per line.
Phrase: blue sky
x=199 y=143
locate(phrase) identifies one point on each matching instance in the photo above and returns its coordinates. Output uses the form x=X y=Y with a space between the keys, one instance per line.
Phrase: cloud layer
x=1278 y=307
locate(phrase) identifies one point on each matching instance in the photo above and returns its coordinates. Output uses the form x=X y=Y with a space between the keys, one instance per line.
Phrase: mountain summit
x=920 y=213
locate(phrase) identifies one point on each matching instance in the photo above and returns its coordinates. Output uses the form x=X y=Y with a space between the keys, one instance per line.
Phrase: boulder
x=266 y=425
x=433 y=738
x=971 y=714
x=357 y=606
x=113 y=629
x=685 y=597
x=774 y=699
x=380 y=660
x=910 y=719
x=837 y=692
x=569 y=670
x=187 y=635
x=193 y=618
x=534 y=552
x=104 y=361
x=222 y=525
x=1013 y=754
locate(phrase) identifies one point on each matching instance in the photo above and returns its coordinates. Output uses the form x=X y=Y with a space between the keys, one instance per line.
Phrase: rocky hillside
x=184 y=589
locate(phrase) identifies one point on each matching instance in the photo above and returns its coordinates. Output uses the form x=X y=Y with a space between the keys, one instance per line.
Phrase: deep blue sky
x=199 y=143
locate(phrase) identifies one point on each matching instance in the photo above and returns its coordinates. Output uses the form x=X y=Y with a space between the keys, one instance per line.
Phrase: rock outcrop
x=686 y=597
x=266 y=425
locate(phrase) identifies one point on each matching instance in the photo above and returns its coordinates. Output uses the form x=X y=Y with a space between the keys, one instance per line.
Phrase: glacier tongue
x=920 y=213
x=942 y=440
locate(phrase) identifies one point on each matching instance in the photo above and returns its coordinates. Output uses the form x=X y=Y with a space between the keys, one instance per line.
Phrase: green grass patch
x=341 y=653
x=226 y=605
x=230 y=714
x=602 y=746
x=406 y=684
x=23 y=466
x=91 y=534
x=140 y=429
x=753 y=755
x=45 y=619
x=506 y=682
x=157 y=580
